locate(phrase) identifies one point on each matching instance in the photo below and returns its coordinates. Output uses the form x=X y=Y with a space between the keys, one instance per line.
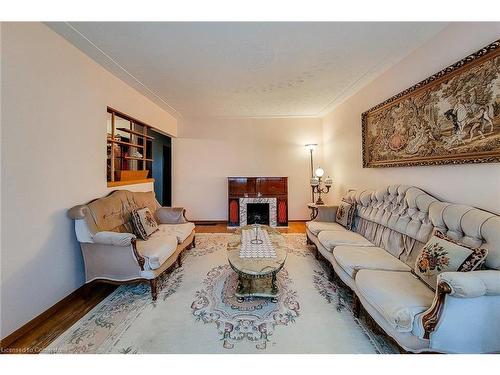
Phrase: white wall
x=53 y=118
x=474 y=184
x=207 y=151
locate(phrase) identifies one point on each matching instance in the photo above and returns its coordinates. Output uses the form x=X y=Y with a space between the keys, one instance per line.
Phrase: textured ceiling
x=247 y=69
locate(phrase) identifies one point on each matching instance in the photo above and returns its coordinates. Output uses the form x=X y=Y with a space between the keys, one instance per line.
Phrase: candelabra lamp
x=319 y=186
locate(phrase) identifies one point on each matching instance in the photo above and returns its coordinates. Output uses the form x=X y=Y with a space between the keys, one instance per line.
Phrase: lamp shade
x=319 y=172
x=328 y=181
x=314 y=181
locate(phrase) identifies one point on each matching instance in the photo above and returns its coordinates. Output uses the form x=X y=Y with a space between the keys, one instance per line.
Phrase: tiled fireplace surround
x=272 y=209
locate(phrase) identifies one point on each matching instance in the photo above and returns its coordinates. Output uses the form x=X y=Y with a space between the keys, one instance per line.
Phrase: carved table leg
x=154 y=288
x=274 y=288
x=240 y=289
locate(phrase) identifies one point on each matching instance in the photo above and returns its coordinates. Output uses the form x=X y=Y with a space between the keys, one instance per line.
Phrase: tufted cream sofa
x=375 y=259
x=111 y=251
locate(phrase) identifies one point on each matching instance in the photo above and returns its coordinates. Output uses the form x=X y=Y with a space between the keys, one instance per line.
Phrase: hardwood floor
x=39 y=337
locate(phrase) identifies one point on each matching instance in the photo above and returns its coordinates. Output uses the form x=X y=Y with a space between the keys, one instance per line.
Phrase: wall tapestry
x=452 y=117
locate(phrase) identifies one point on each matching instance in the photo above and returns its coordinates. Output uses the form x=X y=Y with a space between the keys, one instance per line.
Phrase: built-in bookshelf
x=129 y=150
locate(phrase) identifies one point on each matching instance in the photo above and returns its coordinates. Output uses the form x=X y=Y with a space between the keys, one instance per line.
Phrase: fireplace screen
x=258 y=213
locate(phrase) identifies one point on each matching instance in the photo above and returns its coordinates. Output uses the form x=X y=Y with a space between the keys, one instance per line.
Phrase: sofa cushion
x=397 y=296
x=330 y=239
x=144 y=223
x=355 y=258
x=345 y=214
x=442 y=254
x=317 y=226
x=157 y=249
x=180 y=231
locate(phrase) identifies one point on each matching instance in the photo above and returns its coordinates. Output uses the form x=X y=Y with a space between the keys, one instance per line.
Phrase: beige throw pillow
x=144 y=223
x=345 y=214
x=442 y=254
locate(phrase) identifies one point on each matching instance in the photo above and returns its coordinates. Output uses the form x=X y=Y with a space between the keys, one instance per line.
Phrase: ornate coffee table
x=257 y=276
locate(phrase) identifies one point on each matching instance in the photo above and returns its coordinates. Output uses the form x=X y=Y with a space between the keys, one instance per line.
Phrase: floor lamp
x=311 y=147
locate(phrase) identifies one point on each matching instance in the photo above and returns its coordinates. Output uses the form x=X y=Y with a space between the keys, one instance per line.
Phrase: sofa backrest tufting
x=412 y=212
x=470 y=226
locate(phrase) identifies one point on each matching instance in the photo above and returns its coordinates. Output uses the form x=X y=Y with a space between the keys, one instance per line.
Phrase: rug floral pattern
x=197 y=312
x=253 y=319
x=114 y=315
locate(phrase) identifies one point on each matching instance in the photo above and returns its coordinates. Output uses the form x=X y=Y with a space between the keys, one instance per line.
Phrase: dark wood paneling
x=272 y=185
x=238 y=186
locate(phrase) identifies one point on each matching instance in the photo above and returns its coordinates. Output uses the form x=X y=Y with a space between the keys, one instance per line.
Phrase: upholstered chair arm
x=326 y=213
x=77 y=212
x=472 y=284
x=461 y=315
x=113 y=238
x=171 y=215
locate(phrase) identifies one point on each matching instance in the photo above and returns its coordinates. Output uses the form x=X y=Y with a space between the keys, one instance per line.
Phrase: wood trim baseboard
x=37 y=320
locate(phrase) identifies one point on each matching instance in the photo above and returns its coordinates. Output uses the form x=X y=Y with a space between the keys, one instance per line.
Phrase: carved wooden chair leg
x=356 y=306
x=193 y=243
x=179 y=260
x=316 y=253
x=154 y=288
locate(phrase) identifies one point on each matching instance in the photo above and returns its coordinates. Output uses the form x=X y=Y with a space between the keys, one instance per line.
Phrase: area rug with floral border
x=197 y=312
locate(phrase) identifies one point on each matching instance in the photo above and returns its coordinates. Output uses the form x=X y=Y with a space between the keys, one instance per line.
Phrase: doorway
x=162 y=167
x=167 y=175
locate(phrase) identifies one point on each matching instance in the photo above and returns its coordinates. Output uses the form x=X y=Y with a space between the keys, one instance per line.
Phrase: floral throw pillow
x=144 y=223
x=442 y=254
x=345 y=214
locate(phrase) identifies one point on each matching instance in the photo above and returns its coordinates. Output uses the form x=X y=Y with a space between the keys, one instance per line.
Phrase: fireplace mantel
x=244 y=190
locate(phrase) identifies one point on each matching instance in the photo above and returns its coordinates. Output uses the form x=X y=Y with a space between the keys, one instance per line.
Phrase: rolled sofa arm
x=472 y=284
x=77 y=212
x=459 y=285
x=326 y=213
x=171 y=215
x=113 y=238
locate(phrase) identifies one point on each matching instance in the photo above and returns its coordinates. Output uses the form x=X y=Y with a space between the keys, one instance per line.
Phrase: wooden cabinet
x=271 y=186
x=239 y=186
x=255 y=187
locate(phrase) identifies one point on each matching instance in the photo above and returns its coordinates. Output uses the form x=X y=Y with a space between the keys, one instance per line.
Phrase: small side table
x=314 y=209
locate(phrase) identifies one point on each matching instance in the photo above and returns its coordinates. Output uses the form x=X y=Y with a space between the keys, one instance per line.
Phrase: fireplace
x=262 y=200
x=258 y=213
